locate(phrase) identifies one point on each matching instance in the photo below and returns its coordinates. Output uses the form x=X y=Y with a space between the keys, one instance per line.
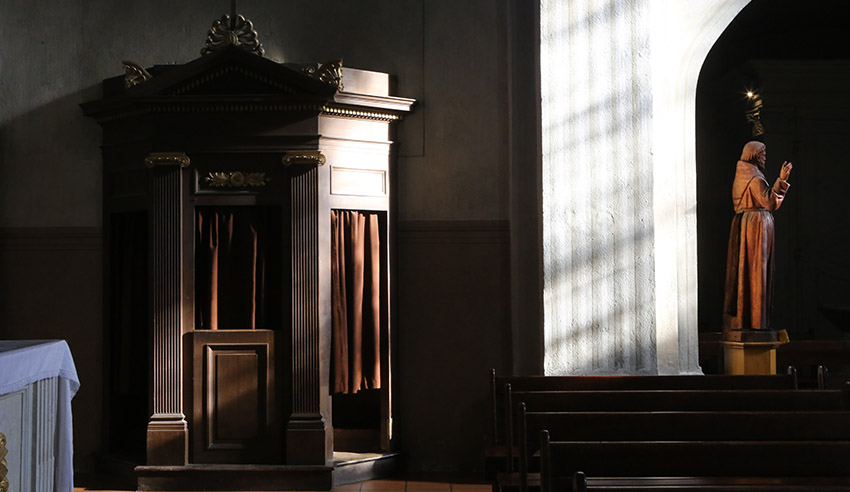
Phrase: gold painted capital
x=299 y=158
x=155 y=159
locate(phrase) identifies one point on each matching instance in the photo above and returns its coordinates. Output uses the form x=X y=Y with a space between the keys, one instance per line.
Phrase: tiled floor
x=379 y=486
x=413 y=486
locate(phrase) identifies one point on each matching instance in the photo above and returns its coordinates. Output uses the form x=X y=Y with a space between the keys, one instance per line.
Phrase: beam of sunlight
x=597 y=178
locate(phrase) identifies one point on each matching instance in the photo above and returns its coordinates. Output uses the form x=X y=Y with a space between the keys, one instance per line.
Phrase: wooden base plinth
x=234 y=477
x=168 y=442
x=308 y=442
x=749 y=358
x=264 y=477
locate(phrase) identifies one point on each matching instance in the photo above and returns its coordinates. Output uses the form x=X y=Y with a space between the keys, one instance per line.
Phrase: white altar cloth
x=23 y=362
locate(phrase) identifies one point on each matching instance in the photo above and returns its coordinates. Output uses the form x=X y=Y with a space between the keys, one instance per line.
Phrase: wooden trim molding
x=50 y=238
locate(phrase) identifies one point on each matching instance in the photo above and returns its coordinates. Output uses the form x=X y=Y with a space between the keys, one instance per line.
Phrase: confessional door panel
x=235 y=418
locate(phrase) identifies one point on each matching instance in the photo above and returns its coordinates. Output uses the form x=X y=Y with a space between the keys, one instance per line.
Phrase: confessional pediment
x=228 y=75
x=233 y=79
x=232 y=71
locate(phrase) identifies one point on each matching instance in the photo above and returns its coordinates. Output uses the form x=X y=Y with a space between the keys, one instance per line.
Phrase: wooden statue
x=750 y=260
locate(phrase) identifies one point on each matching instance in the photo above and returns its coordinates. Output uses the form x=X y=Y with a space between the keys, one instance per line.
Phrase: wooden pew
x=688 y=426
x=671 y=426
x=724 y=448
x=828 y=380
x=806 y=355
x=502 y=386
x=809 y=355
x=814 y=353
x=499 y=456
x=682 y=400
x=709 y=464
x=575 y=383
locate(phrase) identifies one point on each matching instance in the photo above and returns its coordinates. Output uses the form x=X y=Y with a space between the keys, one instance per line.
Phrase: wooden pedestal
x=749 y=357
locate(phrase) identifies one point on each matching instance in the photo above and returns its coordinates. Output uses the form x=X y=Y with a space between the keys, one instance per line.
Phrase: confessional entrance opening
x=360 y=382
x=237 y=387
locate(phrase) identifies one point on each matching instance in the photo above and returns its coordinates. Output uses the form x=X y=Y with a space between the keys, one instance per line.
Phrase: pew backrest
x=560 y=460
x=611 y=383
x=687 y=426
x=681 y=400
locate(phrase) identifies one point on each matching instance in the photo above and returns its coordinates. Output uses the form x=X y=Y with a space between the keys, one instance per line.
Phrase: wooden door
x=234 y=418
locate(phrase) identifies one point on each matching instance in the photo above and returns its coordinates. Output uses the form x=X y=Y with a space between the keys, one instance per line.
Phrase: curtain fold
x=232 y=252
x=356 y=301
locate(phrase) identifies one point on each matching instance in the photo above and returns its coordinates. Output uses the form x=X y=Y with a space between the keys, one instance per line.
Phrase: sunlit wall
x=618 y=83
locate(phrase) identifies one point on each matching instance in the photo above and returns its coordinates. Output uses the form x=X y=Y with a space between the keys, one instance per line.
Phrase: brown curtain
x=232 y=253
x=356 y=298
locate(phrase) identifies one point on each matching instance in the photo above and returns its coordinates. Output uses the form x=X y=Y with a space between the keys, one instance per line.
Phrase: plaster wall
x=449 y=56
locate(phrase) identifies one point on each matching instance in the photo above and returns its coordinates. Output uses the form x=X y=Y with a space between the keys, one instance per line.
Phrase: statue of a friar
x=750 y=261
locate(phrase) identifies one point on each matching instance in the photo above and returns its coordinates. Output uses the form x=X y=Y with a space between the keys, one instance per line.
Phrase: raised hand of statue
x=785 y=172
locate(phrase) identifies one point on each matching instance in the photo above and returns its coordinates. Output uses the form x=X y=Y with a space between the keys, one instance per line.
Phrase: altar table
x=38 y=379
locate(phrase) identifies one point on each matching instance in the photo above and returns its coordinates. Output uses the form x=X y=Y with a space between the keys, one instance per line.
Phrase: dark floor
x=381 y=485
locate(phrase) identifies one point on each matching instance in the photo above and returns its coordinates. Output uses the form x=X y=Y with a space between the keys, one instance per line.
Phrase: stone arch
x=618 y=85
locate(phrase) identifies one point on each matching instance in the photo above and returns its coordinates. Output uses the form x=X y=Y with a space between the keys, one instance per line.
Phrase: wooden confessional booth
x=247 y=219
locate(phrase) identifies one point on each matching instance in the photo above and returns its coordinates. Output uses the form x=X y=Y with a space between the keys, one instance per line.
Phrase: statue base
x=747 y=352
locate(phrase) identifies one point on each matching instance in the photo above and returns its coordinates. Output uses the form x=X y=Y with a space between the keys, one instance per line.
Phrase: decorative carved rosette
x=295 y=158
x=329 y=73
x=240 y=33
x=236 y=179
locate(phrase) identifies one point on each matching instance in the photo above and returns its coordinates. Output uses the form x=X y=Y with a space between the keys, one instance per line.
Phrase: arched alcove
x=794 y=55
x=619 y=182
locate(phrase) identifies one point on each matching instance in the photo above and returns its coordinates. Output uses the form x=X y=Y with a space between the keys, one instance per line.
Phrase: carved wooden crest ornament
x=134 y=74
x=329 y=73
x=235 y=30
x=236 y=179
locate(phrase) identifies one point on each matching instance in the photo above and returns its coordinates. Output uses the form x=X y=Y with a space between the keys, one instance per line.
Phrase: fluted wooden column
x=307 y=440
x=167 y=438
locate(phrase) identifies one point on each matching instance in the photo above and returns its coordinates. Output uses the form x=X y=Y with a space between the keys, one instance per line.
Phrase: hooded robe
x=750 y=260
